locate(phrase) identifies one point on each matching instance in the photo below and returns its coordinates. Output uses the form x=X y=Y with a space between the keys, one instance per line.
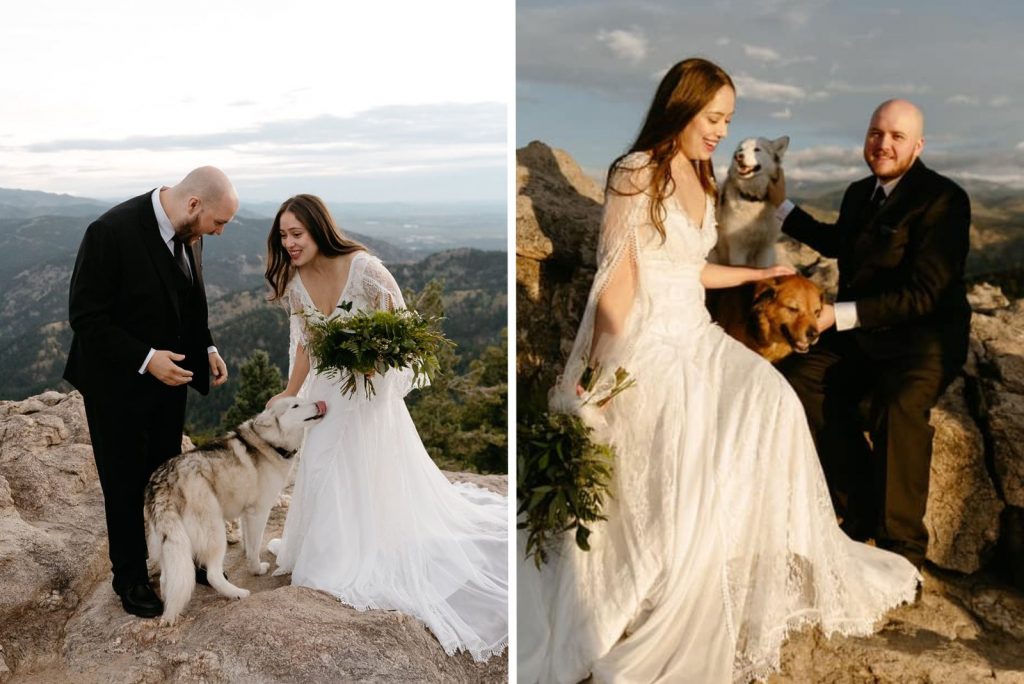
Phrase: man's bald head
x=208 y=183
x=202 y=203
x=894 y=139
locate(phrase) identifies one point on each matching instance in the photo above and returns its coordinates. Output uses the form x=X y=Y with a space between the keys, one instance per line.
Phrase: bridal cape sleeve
x=616 y=305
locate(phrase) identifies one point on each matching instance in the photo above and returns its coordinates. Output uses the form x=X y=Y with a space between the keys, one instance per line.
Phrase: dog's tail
x=170 y=547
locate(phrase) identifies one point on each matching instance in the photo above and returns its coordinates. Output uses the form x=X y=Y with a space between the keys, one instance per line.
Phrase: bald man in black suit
x=901 y=322
x=138 y=311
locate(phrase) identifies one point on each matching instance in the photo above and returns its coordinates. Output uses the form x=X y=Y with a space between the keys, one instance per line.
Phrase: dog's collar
x=249 y=436
x=751 y=198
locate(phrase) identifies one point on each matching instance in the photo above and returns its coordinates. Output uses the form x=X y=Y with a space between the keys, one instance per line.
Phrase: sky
x=810 y=69
x=369 y=102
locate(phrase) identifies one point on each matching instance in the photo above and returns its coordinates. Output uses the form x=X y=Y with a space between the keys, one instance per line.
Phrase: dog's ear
x=764 y=292
x=780 y=145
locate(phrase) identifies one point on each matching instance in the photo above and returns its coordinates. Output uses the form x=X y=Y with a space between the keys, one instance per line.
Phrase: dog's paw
x=259 y=569
x=242 y=593
x=168 y=621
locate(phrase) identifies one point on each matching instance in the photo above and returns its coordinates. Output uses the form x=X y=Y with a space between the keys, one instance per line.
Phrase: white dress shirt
x=163 y=222
x=846 y=312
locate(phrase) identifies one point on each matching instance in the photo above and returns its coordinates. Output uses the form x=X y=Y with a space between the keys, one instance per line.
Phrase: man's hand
x=777 y=190
x=827 y=318
x=162 y=366
x=218 y=369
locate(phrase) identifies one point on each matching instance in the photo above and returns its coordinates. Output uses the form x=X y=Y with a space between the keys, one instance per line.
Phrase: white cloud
x=784 y=114
x=723 y=41
x=999 y=101
x=629 y=45
x=1020 y=146
x=902 y=88
x=761 y=53
x=766 y=91
x=967 y=100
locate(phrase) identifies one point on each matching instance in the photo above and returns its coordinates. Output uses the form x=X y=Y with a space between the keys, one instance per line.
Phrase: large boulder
x=558 y=210
x=61 y=621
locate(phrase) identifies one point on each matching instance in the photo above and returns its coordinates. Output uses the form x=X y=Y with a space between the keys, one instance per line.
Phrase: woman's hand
x=775 y=272
x=274 y=398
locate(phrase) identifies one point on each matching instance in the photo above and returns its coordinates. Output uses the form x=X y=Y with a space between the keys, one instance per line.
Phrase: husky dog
x=747 y=229
x=189 y=497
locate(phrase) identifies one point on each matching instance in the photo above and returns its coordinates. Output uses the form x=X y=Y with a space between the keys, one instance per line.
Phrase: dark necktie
x=877 y=200
x=179 y=256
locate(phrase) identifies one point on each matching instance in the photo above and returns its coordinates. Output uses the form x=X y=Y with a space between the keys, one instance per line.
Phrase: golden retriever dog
x=773 y=317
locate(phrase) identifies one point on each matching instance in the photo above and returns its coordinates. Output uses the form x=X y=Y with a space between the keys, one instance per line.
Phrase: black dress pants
x=131 y=436
x=878 y=486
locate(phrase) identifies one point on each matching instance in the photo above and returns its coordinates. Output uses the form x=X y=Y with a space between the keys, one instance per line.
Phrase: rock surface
x=60 y=620
x=976 y=500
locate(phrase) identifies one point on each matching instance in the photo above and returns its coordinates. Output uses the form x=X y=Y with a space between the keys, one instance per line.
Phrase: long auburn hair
x=313 y=214
x=685 y=90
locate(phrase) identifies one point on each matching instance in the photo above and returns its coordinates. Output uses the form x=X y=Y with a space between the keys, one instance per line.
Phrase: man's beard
x=186 y=231
x=896 y=171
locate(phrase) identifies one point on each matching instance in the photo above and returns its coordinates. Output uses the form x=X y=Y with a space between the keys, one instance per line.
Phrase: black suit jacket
x=127 y=296
x=903 y=266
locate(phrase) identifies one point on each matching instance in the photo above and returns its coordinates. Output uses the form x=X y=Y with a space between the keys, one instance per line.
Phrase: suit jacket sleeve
x=93 y=293
x=939 y=241
x=825 y=238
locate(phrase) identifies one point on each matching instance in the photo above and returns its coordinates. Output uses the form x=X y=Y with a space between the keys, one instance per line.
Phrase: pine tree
x=260 y=381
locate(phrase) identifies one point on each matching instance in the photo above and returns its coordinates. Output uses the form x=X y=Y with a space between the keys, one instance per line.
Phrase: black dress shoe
x=140 y=599
x=201 y=576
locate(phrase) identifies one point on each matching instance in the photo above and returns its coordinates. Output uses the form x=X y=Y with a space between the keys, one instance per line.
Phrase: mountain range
x=39 y=238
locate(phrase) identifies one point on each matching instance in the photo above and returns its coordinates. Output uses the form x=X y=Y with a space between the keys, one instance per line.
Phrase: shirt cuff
x=211 y=349
x=142 y=370
x=782 y=211
x=846 y=316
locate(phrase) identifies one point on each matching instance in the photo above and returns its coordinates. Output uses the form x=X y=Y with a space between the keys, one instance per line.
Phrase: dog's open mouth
x=799 y=346
x=747 y=170
x=321 y=411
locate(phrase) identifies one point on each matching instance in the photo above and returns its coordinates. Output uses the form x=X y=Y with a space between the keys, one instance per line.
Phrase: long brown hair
x=685 y=90
x=312 y=213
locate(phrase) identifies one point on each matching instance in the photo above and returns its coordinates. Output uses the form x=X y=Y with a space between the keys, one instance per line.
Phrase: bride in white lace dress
x=721 y=537
x=372 y=519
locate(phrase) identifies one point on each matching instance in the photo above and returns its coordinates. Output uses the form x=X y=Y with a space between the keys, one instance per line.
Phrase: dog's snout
x=812 y=335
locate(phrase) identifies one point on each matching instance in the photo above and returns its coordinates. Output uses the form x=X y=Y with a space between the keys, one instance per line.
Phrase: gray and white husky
x=189 y=497
x=747 y=228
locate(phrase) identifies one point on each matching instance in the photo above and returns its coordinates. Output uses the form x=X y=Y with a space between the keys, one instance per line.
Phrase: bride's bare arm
x=613 y=305
x=298 y=376
x=715 y=276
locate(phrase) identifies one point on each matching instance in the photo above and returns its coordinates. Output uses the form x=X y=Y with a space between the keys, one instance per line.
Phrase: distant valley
x=37 y=253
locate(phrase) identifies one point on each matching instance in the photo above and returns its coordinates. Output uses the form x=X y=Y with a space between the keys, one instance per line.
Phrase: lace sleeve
x=608 y=326
x=295 y=306
x=381 y=291
x=379 y=287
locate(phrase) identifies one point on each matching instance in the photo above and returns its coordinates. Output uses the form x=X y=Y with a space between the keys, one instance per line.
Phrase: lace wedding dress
x=372 y=519
x=721 y=537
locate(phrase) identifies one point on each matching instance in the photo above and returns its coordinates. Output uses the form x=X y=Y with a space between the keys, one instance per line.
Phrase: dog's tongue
x=321 y=408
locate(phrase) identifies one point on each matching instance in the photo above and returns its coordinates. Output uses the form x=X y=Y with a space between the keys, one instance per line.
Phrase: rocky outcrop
x=60 y=620
x=975 y=508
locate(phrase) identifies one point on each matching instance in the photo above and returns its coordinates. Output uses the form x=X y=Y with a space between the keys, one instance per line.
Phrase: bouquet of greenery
x=563 y=475
x=369 y=342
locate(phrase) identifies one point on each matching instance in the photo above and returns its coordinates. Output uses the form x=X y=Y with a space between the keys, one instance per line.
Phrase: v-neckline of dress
x=341 y=295
x=686 y=214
